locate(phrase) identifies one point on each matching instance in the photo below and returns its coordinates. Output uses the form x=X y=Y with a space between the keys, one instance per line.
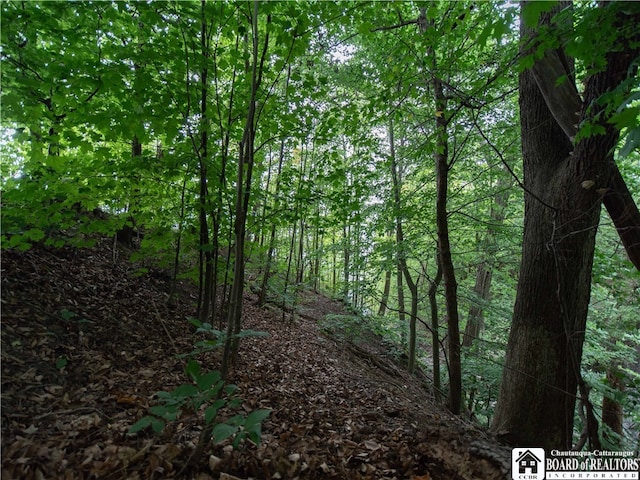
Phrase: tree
x=567 y=177
x=402 y=253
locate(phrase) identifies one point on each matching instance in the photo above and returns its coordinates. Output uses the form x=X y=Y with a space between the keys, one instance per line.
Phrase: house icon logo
x=527 y=464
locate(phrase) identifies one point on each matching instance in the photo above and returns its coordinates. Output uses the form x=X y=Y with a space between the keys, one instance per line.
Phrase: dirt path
x=86 y=344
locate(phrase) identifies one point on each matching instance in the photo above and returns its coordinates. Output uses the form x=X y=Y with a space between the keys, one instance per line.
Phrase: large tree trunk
x=562 y=211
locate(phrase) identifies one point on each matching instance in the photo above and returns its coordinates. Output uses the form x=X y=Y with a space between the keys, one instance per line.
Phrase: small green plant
x=217 y=337
x=61 y=363
x=208 y=391
x=346 y=327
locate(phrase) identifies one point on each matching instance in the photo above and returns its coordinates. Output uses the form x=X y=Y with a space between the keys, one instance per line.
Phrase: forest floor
x=87 y=342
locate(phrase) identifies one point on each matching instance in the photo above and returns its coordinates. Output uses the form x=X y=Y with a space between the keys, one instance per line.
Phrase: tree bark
x=612 y=412
x=542 y=367
x=243 y=194
x=566 y=106
x=475 y=320
x=206 y=255
x=402 y=255
x=435 y=326
x=484 y=272
x=385 y=293
x=444 y=247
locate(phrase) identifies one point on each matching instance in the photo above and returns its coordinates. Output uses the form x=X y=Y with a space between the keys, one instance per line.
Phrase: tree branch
x=561 y=96
x=565 y=104
x=393 y=27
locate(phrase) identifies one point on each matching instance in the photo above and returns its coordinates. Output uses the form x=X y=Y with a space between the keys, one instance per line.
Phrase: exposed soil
x=87 y=342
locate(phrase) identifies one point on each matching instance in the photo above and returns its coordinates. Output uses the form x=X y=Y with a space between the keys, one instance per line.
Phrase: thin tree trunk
x=441 y=157
x=448 y=272
x=402 y=309
x=300 y=255
x=612 y=411
x=435 y=328
x=243 y=194
x=402 y=256
x=316 y=249
x=484 y=272
x=385 y=293
x=288 y=272
x=272 y=237
x=207 y=287
x=334 y=263
x=346 y=251
x=176 y=256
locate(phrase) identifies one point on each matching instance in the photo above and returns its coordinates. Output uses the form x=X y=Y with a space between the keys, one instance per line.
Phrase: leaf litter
x=86 y=344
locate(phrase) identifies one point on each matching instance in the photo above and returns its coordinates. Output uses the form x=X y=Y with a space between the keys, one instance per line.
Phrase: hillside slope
x=86 y=343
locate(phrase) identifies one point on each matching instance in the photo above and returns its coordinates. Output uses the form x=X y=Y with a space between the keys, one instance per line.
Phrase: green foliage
x=207 y=392
x=80 y=80
x=345 y=327
x=531 y=11
x=611 y=343
x=482 y=371
x=217 y=337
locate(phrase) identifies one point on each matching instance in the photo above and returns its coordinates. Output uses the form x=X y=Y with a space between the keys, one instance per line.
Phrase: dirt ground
x=87 y=342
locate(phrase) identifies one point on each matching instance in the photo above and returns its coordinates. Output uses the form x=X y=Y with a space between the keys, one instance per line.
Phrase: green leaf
x=632 y=142
x=192 y=369
x=34 y=235
x=230 y=389
x=167 y=412
x=212 y=410
x=626 y=118
x=531 y=11
x=67 y=314
x=185 y=390
x=141 y=424
x=255 y=434
x=157 y=425
x=222 y=431
x=256 y=417
x=194 y=321
x=208 y=380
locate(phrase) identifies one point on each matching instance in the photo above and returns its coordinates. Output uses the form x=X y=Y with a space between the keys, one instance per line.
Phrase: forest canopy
x=440 y=166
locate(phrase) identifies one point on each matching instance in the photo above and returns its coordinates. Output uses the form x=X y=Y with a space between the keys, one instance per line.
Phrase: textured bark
x=566 y=106
x=484 y=272
x=612 y=412
x=441 y=157
x=444 y=247
x=482 y=288
x=624 y=212
x=542 y=369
